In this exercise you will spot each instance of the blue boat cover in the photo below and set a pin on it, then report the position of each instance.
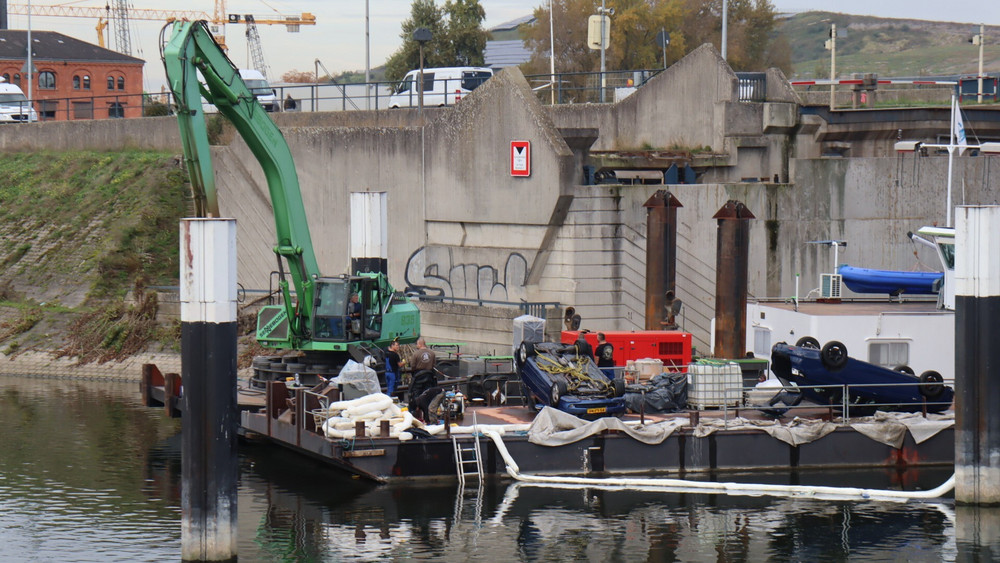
(893, 282)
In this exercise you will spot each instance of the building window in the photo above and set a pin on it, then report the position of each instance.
(6, 78)
(76, 82)
(83, 110)
(47, 80)
(121, 82)
(116, 110)
(17, 79)
(47, 109)
(111, 83)
(889, 354)
(86, 82)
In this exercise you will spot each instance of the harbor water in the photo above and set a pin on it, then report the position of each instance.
(89, 474)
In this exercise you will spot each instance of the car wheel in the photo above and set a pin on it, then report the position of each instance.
(619, 386)
(833, 355)
(933, 384)
(524, 351)
(904, 369)
(556, 392)
(808, 342)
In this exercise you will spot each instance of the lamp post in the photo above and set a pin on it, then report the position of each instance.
(552, 58)
(421, 35)
(663, 39)
(831, 45)
(368, 62)
(604, 13)
(979, 40)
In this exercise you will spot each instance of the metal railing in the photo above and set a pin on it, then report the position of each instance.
(534, 308)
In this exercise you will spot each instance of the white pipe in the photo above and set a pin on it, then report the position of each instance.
(708, 487)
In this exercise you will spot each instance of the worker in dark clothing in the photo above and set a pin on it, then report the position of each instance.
(583, 348)
(392, 367)
(424, 376)
(290, 103)
(605, 355)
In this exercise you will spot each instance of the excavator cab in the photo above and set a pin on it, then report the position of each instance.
(338, 318)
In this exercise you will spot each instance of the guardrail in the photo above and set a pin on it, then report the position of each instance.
(534, 308)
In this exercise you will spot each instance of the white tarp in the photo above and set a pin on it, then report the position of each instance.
(796, 432)
(552, 427)
(890, 427)
(359, 376)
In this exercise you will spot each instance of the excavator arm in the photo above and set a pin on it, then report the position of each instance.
(190, 56)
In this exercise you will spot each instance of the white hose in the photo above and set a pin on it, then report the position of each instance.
(707, 487)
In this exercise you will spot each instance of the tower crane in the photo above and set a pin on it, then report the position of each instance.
(217, 20)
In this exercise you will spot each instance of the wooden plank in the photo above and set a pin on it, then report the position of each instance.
(364, 453)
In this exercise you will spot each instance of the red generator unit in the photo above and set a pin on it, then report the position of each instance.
(672, 347)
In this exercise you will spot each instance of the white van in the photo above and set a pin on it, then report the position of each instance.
(257, 84)
(14, 106)
(442, 86)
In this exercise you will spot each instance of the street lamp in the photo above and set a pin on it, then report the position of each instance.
(663, 39)
(604, 13)
(979, 40)
(421, 35)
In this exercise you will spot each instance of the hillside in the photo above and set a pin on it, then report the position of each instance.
(79, 233)
(888, 47)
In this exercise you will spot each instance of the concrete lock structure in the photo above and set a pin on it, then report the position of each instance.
(460, 225)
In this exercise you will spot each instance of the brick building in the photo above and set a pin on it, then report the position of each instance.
(73, 79)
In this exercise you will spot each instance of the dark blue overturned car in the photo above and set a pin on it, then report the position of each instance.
(870, 387)
(553, 374)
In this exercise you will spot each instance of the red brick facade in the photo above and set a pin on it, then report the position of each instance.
(82, 90)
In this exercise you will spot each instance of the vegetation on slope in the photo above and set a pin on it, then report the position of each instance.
(79, 233)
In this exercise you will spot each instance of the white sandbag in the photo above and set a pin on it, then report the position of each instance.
(405, 436)
(394, 410)
(378, 404)
(405, 423)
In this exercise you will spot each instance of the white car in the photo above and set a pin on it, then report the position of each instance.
(14, 106)
(442, 86)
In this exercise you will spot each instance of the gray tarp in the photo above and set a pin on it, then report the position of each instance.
(796, 432)
(890, 427)
(553, 427)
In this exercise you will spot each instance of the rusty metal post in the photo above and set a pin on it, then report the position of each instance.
(359, 429)
(383, 428)
(977, 356)
(732, 261)
(661, 254)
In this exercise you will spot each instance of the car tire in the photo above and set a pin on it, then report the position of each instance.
(903, 368)
(619, 386)
(834, 355)
(808, 342)
(556, 392)
(525, 350)
(933, 384)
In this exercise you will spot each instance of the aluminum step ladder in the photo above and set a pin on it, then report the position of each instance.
(468, 459)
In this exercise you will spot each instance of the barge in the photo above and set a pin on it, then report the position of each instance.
(699, 442)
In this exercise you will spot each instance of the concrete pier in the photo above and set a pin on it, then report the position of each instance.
(977, 355)
(208, 370)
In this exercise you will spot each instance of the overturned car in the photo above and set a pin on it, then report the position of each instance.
(825, 374)
(555, 375)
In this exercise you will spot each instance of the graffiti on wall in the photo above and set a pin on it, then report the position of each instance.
(433, 271)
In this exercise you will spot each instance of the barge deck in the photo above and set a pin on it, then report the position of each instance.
(706, 442)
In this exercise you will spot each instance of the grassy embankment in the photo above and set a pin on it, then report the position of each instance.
(82, 235)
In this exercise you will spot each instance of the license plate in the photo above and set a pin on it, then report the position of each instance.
(597, 410)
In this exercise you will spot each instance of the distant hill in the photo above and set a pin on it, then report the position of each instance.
(888, 47)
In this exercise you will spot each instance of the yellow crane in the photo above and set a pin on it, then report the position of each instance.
(217, 20)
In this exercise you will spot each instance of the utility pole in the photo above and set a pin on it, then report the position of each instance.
(725, 22)
(982, 30)
(832, 45)
(604, 82)
(552, 58)
(368, 62)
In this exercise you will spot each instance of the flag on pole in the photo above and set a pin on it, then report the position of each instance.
(959, 130)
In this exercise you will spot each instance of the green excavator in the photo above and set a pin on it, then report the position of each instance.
(318, 317)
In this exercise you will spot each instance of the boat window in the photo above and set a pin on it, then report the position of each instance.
(331, 310)
(889, 354)
(761, 342)
(948, 253)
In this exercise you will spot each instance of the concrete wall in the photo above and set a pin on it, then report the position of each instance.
(148, 133)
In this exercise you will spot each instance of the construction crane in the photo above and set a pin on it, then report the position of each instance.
(218, 19)
(256, 49)
(123, 39)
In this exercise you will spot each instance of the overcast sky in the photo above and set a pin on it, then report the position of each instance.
(338, 39)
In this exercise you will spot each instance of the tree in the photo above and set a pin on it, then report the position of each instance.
(635, 24)
(458, 42)
(298, 77)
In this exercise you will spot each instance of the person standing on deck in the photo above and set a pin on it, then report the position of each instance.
(392, 367)
(605, 355)
(422, 366)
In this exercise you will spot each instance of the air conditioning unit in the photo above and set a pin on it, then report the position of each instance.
(830, 286)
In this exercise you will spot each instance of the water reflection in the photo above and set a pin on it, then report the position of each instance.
(88, 474)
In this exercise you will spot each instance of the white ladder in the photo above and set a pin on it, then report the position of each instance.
(466, 456)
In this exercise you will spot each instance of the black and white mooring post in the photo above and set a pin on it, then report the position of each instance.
(208, 375)
(977, 355)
